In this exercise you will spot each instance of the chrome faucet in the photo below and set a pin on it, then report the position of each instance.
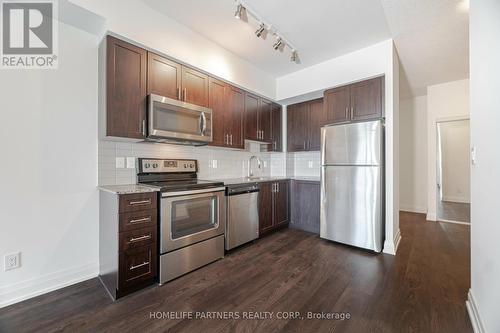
(250, 170)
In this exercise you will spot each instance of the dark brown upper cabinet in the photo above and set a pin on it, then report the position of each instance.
(164, 76)
(358, 101)
(217, 102)
(227, 103)
(258, 118)
(125, 89)
(276, 128)
(304, 121)
(194, 86)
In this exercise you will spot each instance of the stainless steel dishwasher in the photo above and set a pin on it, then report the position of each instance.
(242, 219)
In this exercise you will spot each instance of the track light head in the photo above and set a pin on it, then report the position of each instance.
(278, 43)
(261, 30)
(294, 57)
(240, 10)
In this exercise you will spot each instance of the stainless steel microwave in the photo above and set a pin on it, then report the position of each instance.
(174, 121)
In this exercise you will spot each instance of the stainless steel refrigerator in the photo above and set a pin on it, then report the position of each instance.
(352, 184)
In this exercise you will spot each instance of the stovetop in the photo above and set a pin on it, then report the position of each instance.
(184, 185)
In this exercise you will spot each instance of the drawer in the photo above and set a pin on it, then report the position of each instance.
(137, 202)
(138, 220)
(137, 238)
(137, 268)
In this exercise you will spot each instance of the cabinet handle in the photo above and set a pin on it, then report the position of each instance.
(304, 145)
(144, 127)
(145, 219)
(274, 145)
(226, 139)
(138, 239)
(140, 202)
(185, 94)
(231, 136)
(346, 112)
(179, 97)
(140, 265)
(352, 112)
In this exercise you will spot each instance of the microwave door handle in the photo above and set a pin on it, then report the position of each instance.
(203, 123)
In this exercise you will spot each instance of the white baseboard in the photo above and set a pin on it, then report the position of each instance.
(455, 199)
(23, 290)
(412, 208)
(391, 246)
(431, 216)
(475, 318)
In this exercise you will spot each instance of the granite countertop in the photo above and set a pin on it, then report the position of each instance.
(128, 189)
(245, 180)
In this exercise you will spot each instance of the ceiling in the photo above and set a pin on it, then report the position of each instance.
(431, 36)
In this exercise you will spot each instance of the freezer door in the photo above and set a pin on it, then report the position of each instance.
(351, 206)
(352, 144)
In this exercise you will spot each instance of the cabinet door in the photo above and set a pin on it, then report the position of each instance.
(265, 112)
(217, 102)
(265, 208)
(194, 86)
(337, 105)
(234, 116)
(276, 128)
(164, 76)
(366, 99)
(251, 116)
(125, 90)
(297, 127)
(282, 203)
(316, 121)
(305, 205)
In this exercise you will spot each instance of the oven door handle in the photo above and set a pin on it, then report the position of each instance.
(180, 193)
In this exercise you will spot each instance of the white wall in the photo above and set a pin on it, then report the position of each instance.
(48, 198)
(485, 181)
(378, 59)
(413, 154)
(141, 24)
(445, 101)
(454, 143)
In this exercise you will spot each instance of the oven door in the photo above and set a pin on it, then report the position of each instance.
(189, 217)
(170, 119)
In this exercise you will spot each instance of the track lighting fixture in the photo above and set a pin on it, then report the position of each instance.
(261, 30)
(278, 43)
(294, 57)
(239, 11)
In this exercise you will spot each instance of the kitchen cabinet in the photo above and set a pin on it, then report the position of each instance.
(128, 242)
(358, 101)
(227, 103)
(304, 121)
(125, 89)
(164, 76)
(274, 205)
(194, 86)
(276, 128)
(305, 201)
(257, 118)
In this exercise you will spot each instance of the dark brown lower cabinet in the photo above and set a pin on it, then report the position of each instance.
(274, 206)
(305, 205)
(128, 252)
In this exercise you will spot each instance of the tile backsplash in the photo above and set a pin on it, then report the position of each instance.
(303, 164)
(117, 160)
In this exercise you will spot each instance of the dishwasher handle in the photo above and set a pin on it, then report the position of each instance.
(241, 190)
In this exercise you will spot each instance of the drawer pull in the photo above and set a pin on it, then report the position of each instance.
(141, 202)
(139, 266)
(138, 239)
(145, 219)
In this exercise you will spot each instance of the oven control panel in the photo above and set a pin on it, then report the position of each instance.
(161, 165)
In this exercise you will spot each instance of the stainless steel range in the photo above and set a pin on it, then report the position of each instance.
(192, 215)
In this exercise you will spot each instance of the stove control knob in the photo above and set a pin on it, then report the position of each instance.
(185, 166)
(155, 165)
(147, 165)
(191, 165)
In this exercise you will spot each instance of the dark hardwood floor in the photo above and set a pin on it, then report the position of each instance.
(422, 289)
(453, 211)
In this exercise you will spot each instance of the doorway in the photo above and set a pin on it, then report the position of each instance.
(453, 171)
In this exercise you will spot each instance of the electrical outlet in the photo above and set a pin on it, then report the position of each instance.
(310, 164)
(130, 162)
(120, 162)
(12, 261)
(265, 164)
(214, 164)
